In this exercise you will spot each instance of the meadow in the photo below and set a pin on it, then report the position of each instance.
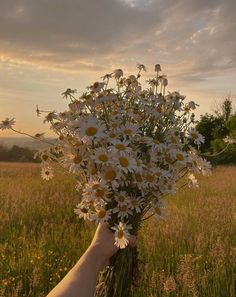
(190, 253)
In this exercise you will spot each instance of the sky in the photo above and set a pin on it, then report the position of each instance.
(47, 46)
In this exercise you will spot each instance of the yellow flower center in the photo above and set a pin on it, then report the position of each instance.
(47, 172)
(124, 162)
(103, 158)
(84, 210)
(120, 146)
(95, 186)
(194, 135)
(149, 178)
(91, 131)
(110, 175)
(112, 135)
(44, 157)
(121, 198)
(101, 213)
(78, 159)
(134, 202)
(120, 234)
(179, 157)
(158, 210)
(158, 109)
(128, 132)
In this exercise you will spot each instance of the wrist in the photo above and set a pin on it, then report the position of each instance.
(97, 256)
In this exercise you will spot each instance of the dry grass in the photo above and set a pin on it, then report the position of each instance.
(192, 253)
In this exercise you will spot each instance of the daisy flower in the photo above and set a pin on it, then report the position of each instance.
(118, 73)
(158, 208)
(75, 159)
(96, 190)
(122, 234)
(7, 124)
(129, 130)
(83, 211)
(121, 198)
(180, 157)
(126, 163)
(111, 175)
(123, 210)
(102, 215)
(47, 173)
(90, 128)
(121, 146)
(101, 156)
(97, 86)
(136, 203)
(195, 136)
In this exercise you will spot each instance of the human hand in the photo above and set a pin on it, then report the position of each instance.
(103, 244)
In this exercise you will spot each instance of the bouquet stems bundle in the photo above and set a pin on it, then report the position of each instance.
(119, 278)
(128, 147)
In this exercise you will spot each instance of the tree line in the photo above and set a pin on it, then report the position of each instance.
(216, 128)
(17, 154)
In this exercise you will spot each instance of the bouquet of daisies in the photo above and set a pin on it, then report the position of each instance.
(129, 147)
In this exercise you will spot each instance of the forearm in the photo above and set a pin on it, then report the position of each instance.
(81, 280)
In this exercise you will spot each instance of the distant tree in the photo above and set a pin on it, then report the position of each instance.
(211, 127)
(215, 127)
(225, 108)
(231, 125)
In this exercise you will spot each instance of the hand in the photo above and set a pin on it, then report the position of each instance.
(103, 244)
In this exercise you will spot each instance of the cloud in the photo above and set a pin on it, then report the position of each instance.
(194, 39)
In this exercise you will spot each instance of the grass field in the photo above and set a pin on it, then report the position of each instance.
(192, 253)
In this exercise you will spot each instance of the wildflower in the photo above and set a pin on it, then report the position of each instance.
(102, 215)
(229, 140)
(136, 203)
(157, 67)
(195, 136)
(39, 135)
(122, 234)
(47, 173)
(82, 210)
(121, 198)
(118, 73)
(7, 124)
(141, 67)
(192, 181)
(123, 210)
(90, 128)
(68, 93)
(97, 86)
(126, 163)
(101, 156)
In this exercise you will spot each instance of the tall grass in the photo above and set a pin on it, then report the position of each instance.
(191, 253)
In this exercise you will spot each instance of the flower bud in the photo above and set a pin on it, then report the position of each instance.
(157, 67)
(165, 82)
